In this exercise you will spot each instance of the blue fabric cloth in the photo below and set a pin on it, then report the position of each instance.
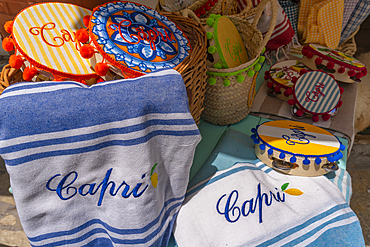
(291, 9)
(105, 165)
(359, 14)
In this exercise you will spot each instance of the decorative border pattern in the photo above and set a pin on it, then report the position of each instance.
(101, 15)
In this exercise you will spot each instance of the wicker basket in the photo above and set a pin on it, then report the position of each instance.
(9, 76)
(225, 105)
(193, 69)
(222, 7)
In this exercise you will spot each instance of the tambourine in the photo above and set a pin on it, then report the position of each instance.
(297, 148)
(132, 40)
(226, 47)
(315, 94)
(279, 78)
(44, 38)
(344, 68)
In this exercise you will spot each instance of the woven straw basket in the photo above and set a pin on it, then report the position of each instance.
(225, 105)
(193, 69)
(9, 76)
(203, 8)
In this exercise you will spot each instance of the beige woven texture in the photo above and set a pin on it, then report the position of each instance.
(228, 105)
(9, 76)
(193, 68)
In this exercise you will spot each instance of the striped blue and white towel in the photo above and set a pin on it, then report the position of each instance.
(106, 165)
(245, 205)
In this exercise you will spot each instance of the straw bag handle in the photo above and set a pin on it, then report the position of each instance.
(259, 10)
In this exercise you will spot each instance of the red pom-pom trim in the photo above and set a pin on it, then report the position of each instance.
(8, 44)
(15, 61)
(29, 73)
(304, 51)
(359, 75)
(86, 20)
(299, 113)
(302, 71)
(341, 70)
(269, 84)
(332, 76)
(87, 51)
(351, 73)
(8, 26)
(341, 90)
(315, 118)
(291, 102)
(340, 103)
(318, 61)
(266, 77)
(330, 65)
(82, 35)
(277, 89)
(364, 71)
(309, 54)
(294, 79)
(289, 91)
(325, 116)
(101, 69)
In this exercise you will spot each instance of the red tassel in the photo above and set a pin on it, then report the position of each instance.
(82, 35)
(325, 116)
(87, 51)
(29, 73)
(330, 65)
(8, 44)
(15, 61)
(291, 102)
(86, 20)
(101, 69)
(8, 26)
(315, 118)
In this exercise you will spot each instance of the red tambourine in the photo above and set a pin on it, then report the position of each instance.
(344, 68)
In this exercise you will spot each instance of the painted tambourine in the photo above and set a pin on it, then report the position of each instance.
(279, 78)
(344, 68)
(297, 148)
(226, 47)
(44, 38)
(132, 40)
(315, 94)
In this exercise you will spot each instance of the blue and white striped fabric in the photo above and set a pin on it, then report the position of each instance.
(317, 92)
(359, 14)
(106, 165)
(252, 205)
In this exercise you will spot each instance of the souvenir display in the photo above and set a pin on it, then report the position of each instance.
(297, 148)
(226, 47)
(315, 94)
(133, 40)
(279, 78)
(44, 37)
(344, 68)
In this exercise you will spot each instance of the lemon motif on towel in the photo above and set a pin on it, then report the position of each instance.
(291, 191)
(154, 176)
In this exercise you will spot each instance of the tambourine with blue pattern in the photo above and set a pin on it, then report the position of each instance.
(136, 39)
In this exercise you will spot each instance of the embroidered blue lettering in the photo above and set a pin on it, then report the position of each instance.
(65, 187)
(231, 211)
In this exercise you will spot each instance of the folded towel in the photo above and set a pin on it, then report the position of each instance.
(105, 165)
(250, 204)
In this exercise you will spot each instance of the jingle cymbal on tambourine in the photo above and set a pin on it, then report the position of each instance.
(297, 148)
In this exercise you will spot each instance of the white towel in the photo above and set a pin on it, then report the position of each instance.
(250, 204)
(106, 165)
